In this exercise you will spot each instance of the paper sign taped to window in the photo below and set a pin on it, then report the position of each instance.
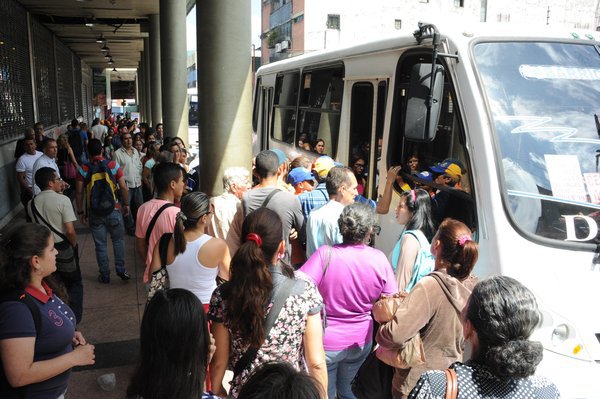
(592, 181)
(565, 177)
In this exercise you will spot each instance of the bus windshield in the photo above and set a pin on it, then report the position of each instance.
(544, 99)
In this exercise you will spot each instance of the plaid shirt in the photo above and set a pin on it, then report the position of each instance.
(313, 199)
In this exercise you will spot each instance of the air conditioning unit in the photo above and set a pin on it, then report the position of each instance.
(285, 45)
(278, 48)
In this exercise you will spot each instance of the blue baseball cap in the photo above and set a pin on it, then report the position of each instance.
(448, 167)
(298, 175)
(425, 176)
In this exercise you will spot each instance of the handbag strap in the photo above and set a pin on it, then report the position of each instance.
(279, 299)
(451, 384)
(37, 214)
(154, 219)
(268, 199)
(326, 263)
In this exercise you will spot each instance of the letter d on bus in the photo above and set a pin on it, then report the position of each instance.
(570, 223)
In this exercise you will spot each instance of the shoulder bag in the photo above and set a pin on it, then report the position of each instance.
(279, 299)
(412, 352)
(154, 219)
(160, 278)
(451, 383)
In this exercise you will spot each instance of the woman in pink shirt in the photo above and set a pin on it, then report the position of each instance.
(350, 277)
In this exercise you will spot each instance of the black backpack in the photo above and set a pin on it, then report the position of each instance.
(75, 143)
(101, 188)
(7, 391)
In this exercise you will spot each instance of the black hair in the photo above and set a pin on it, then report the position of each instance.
(356, 223)
(74, 123)
(418, 203)
(164, 173)
(94, 147)
(251, 282)
(47, 141)
(16, 250)
(193, 207)
(43, 177)
(504, 313)
(337, 176)
(174, 348)
(279, 380)
(267, 164)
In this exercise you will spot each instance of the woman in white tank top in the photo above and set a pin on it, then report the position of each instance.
(195, 259)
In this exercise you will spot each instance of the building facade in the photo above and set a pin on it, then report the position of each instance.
(293, 27)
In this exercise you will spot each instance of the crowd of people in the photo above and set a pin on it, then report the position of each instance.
(276, 279)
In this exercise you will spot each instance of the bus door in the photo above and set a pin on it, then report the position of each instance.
(261, 116)
(368, 100)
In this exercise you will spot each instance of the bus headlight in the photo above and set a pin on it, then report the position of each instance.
(560, 336)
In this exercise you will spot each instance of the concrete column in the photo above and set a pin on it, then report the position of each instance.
(142, 86)
(224, 89)
(173, 69)
(147, 81)
(155, 78)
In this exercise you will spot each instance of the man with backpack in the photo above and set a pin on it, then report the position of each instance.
(78, 141)
(100, 180)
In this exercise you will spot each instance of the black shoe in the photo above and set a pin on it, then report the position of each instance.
(124, 275)
(104, 278)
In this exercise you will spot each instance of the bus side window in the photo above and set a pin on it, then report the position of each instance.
(361, 125)
(448, 144)
(284, 107)
(320, 106)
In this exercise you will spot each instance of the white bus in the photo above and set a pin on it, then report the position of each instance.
(519, 110)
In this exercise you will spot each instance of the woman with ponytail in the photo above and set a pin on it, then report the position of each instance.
(411, 257)
(194, 259)
(433, 307)
(238, 309)
(497, 323)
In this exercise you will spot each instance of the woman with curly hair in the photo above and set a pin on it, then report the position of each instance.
(260, 284)
(497, 323)
(351, 277)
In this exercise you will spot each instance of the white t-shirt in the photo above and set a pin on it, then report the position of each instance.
(25, 164)
(99, 132)
(42, 162)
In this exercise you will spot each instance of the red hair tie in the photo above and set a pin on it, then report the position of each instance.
(414, 195)
(254, 237)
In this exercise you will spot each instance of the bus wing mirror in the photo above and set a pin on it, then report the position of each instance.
(424, 102)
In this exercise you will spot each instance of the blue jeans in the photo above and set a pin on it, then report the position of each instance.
(342, 366)
(113, 225)
(136, 199)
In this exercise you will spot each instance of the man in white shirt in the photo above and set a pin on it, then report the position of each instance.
(236, 181)
(130, 161)
(24, 169)
(99, 131)
(47, 159)
(322, 226)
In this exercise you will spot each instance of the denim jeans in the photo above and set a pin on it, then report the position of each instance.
(136, 199)
(342, 366)
(113, 225)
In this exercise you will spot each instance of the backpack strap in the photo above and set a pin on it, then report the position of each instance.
(154, 219)
(23, 297)
(418, 234)
(279, 299)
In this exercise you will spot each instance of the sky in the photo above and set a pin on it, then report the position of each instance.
(191, 26)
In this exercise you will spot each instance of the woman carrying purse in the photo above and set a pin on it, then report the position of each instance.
(432, 308)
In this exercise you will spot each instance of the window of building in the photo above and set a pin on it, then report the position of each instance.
(398, 24)
(459, 3)
(333, 21)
